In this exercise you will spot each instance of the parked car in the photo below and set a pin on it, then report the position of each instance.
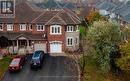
(37, 59)
(17, 63)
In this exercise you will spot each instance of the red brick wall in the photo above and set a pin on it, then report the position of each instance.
(56, 38)
(17, 29)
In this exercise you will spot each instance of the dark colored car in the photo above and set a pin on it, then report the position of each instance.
(37, 59)
(17, 63)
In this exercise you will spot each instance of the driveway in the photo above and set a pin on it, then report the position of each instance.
(55, 68)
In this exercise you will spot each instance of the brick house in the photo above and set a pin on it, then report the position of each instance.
(53, 31)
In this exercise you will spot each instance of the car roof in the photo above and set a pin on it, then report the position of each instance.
(15, 61)
(37, 54)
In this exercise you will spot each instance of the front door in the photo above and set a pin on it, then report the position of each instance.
(22, 43)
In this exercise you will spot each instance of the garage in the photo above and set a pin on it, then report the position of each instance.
(56, 47)
(41, 46)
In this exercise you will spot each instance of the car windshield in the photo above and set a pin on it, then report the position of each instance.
(37, 54)
(15, 62)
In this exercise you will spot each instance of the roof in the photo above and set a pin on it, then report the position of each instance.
(18, 35)
(62, 17)
(28, 13)
(53, 4)
(106, 5)
(123, 10)
(126, 18)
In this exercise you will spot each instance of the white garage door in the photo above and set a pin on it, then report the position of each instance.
(55, 47)
(40, 47)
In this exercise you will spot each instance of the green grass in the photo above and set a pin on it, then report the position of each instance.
(4, 64)
(93, 73)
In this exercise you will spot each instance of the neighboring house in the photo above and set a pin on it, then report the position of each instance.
(105, 7)
(119, 11)
(122, 12)
(53, 31)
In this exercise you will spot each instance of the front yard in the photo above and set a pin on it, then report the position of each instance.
(92, 73)
(4, 65)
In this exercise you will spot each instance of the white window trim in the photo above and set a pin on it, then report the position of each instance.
(30, 27)
(77, 40)
(40, 26)
(70, 28)
(72, 41)
(2, 27)
(9, 27)
(55, 26)
(22, 25)
(77, 27)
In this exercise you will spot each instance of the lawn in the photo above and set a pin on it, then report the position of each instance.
(4, 65)
(92, 73)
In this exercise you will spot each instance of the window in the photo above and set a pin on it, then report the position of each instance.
(70, 28)
(76, 40)
(9, 27)
(22, 27)
(70, 41)
(77, 28)
(30, 27)
(55, 29)
(40, 27)
(7, 7)
(1, 27)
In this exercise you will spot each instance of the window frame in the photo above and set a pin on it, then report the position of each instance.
(76, 40)
(1, 29)
(55, 30)
(70, 41)
(41, 29)
(9, 27)
(77, 27)
(30, 27)
(21, 27)
(70, 28)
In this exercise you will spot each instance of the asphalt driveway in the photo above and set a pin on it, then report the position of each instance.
(55, 68)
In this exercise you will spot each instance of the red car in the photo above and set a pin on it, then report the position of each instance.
(17, 63)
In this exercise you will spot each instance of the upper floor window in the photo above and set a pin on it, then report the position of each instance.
(55, 29)
(9, 27)
(70, 41)
(30, 27)
(22, 27)
(76, 40)
(1, 27)
(40, 27)
(70, 28)
(77, 27)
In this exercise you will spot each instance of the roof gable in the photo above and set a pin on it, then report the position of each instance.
(26, 13)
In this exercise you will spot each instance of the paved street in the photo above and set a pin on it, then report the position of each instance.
(55, 68)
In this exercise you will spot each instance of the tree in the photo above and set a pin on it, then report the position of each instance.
(124, 61)
(94, 16)
(103, 35)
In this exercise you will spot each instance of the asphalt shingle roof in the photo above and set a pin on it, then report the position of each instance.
(29, 36)
(106, 5)
(25, 13)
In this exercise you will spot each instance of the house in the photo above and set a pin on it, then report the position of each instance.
(53, 31)
(119, 11)
(105, 7)
(122, 13)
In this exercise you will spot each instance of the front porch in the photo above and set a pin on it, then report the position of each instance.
(21, 47)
